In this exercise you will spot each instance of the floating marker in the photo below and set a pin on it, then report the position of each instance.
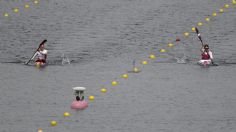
(233, 2)
(27, 6)
(114, 83)
(207, 19)
(214, 14)
(37, 65)
(53, 123)
(36, 2)
(66, 114)
(186, 34)
(135, 69)
(91, 97)
(103, 90)
(199, 23)
(125, 76)
(6, 15)
(152, 56)
(144, 62)
(162, 50)
(226, 6)
(221, 10)
(16, 10)
(40, 130)
(193, 29)
(170, 45)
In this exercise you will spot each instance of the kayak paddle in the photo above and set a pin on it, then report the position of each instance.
(199, 35)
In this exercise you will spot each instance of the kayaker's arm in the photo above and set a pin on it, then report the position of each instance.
(211, 55)
(202, 49)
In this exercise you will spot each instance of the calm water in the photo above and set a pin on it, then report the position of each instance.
(102, 38)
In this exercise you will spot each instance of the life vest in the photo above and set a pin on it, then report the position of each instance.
(206, 56)
(41, 60)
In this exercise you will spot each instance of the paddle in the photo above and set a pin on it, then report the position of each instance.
(44, 41)
(200, 38)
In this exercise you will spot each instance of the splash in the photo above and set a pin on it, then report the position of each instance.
(64, 59)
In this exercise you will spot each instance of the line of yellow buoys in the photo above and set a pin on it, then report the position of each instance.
(17, 9)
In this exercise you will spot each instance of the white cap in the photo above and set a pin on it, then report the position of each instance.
(79, 88)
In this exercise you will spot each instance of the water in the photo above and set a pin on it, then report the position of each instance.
(102, 38)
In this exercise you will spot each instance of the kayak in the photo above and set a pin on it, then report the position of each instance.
(206, 63)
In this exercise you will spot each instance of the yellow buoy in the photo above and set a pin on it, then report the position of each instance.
(199, 23)
(37, 65)
(207, 19)
(40, 130)
(53, 123)
(186, 34)
(233, 2)
(16, 10)
(162, 50)
(103, 90)
(66, 114)
(226, 6)
(144, 62)
(114, 83)
(135, 69)
(6, 15)
(36, 2)
(125, 76)
(193, 29)
(27, 6)
(152, 56)
(214, 14)
(170, 45)
(91, 97)
(221, 10)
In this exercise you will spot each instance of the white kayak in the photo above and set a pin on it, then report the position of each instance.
(206, 63)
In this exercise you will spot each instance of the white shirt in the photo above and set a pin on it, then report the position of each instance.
(41, 54)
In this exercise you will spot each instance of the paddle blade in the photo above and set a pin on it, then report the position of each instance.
(196, 30)
(44, 41)
(214, 64)
(198, 35)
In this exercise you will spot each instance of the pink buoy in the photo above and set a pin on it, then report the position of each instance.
(79, 105)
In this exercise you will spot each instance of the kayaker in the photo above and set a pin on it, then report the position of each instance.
(41, 54)
(207, 55)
